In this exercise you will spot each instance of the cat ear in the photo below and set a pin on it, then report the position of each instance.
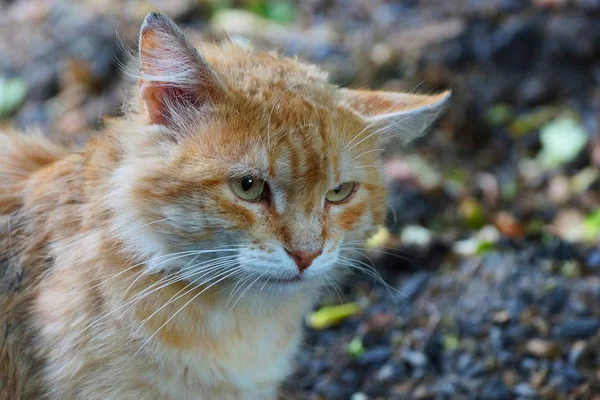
(172, 73)
(396, 115)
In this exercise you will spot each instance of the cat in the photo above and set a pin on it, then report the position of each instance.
(174, 255)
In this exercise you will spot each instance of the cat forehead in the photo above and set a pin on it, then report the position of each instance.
(264, 74)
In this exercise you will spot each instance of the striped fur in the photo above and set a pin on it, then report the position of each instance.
(130, 269)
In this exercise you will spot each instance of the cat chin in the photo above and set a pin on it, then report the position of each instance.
(274, 287)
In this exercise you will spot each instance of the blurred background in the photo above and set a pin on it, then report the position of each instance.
(491, 255)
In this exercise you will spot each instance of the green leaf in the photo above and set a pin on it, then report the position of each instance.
(12, 95)
(332, 315)
(258, 7)
(219, 5)
(484, 247)
(283, 12)
(591, 225)
(499, 114)
(451, 342)
(355, 347)
(472, 213)
(530, 122)
(562, 140)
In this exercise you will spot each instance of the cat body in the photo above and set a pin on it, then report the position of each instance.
(174, 256)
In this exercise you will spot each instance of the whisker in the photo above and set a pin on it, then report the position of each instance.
(239, 284)
(181, 254)
(159, 285)
(246, 291)
(176, 296)
(370, 271)
(233, 272)
(366, 152)
(222, 264)
(122, 234)
(336, 288)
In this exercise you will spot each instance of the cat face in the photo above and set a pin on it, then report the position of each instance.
(250, 166)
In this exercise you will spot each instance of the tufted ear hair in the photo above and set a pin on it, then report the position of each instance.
(396, 115)
(172, 72)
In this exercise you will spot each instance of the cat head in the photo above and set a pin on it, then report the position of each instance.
(240, 165)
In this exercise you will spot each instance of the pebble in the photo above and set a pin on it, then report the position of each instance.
(391, 372)
(525, 390)
(580, 355)
(512, 45)
(496, 390)
(543, 348)
(556, 299)
(333, 390)
(351, 378)
(375, 356)
(577, 328)
(593, 260)
(416, 359)
(413, 285)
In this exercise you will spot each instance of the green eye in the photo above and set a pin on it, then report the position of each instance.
(341, 193)
(248, 187)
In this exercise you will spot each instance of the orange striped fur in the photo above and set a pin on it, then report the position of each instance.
(131, 268)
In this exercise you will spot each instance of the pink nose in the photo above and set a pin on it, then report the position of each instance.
(303, 259)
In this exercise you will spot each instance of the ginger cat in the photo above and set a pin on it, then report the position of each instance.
(174, 256)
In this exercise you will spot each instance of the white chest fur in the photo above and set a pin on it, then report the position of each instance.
(246, 355)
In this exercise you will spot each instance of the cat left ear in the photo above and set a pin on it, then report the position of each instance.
(172, 73)
(402, 115)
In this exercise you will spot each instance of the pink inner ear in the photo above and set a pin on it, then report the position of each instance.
(172, 73)
(156, 98)
(162, 98)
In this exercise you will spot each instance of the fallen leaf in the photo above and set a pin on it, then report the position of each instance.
(355, 347)
(12, 95)
(562, 140)
(508, 225)
(331, 315)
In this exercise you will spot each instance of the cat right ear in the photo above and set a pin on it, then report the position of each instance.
(396, 115)
(172, 75)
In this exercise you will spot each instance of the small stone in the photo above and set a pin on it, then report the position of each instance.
(581, 355)
(577, 328)
(497, 390)
(380, 322)
(375, 356)
(528, 365)
(589, 5)
(412, 286)
(524, 390)
(350, 378)
(535, 90)
(416, 235)
(415, 358)
(543, 348)
(381, 54)
(556, 299)
(501, 317)
(559, 190)
(592, 261)
(333, 391)
(391, 372)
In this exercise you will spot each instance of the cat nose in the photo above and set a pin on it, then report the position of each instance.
(303, 259)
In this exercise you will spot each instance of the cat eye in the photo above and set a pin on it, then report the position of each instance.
(341, 192)
(248, 187)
